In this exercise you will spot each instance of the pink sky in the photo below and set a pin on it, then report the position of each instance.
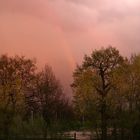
(60, 32)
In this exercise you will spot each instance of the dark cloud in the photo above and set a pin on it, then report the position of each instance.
(79, 15)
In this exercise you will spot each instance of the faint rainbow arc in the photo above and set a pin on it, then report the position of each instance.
(66, 46)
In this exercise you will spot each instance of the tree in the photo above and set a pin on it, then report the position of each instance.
(102, 63)
(16, 74)
(52, 104)
(83, 93)
(129, 91)
(49, 92)
(85, 99)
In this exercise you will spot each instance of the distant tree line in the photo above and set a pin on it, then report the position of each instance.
(106, 91)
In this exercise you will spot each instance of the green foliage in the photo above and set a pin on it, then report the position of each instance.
(106, 87)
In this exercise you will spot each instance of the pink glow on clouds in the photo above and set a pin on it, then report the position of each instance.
(60, 32)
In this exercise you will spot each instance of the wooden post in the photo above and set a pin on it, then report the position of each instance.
(74, 135)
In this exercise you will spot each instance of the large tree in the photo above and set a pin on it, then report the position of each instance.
(102, 63)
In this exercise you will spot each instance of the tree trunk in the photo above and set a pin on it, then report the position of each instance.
(103, 121)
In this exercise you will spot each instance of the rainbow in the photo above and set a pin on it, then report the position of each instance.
(65, 47)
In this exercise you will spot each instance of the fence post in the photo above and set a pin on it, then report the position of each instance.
(74, 135)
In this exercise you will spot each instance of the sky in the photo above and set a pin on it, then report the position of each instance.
(60, 32)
